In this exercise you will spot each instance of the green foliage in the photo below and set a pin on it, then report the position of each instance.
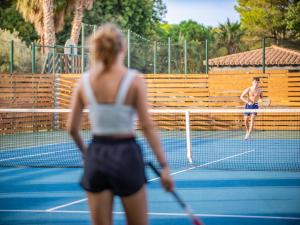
(64, 35)
(22, 53)
(278, 19)
(194, 34)
(186, 30)
(293, 19)
(228, 38)
(190, 30)
(267, 18)
(139, 16)
(10, 19)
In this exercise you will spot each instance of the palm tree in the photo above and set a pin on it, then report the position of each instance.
(40, 14)
(32, 12)
(48, 20)
(48, 16)
(229, 36)
(79, 6)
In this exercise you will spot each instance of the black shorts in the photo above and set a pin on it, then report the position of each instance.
(113, 164)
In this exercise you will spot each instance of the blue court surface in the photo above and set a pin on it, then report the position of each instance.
(53, 196)
(231, 181)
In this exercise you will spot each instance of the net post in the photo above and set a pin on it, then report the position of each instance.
(188, 136)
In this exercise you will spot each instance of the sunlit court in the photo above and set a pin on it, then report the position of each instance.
(223, 92)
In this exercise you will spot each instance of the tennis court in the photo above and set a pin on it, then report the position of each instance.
(222, 177)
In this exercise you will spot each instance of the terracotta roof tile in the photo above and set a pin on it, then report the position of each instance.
(275, 56)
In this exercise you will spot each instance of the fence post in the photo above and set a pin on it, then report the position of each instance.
(11, 57)
(53, 60)
(72, 59)
(56, 101)
(169, 55)
(82, 47)
(128, 48)
(154, 57)
(33, 57)
(206, 57)
(185, 57)
(264, 55)
(94, 29)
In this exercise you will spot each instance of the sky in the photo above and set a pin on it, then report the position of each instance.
(206, 12)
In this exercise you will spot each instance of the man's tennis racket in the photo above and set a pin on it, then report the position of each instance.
(195, 220)
(264, 102)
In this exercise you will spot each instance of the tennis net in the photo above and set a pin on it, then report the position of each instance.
(208, 138)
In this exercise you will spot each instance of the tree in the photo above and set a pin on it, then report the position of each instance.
(79, 7)
(140, 16)
(228, 36)
(293, 19)
(190, 30)
(48, 16)
(10, 19)
(194, 34)
(265, 18)
(48, 22)
(32, 12)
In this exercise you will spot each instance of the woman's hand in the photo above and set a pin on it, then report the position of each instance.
(166, 179)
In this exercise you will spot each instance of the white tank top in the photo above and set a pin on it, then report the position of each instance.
(115, 118)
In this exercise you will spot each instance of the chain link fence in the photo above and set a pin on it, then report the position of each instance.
(148, 56)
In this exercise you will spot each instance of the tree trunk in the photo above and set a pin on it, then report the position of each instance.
(76, 24)
(48, 20)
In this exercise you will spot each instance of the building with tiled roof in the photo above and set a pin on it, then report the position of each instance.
(276, 58)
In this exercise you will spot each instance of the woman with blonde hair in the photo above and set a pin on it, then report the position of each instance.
(113, 163)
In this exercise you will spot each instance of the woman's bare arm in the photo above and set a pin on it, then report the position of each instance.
(150, 131)
(147, 124)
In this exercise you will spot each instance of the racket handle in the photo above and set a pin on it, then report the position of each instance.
(197, 222)
(155, 170)
(194, 219)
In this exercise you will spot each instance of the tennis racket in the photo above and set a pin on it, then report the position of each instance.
(264, 102)
(195, 220)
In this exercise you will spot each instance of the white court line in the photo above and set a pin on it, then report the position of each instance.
(181, 171)
(212, 162)
(166, 214)
(28, 156)
(65, 205)
(34, 146)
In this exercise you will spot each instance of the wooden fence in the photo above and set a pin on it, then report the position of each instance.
(165, 91)
(26, 91)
